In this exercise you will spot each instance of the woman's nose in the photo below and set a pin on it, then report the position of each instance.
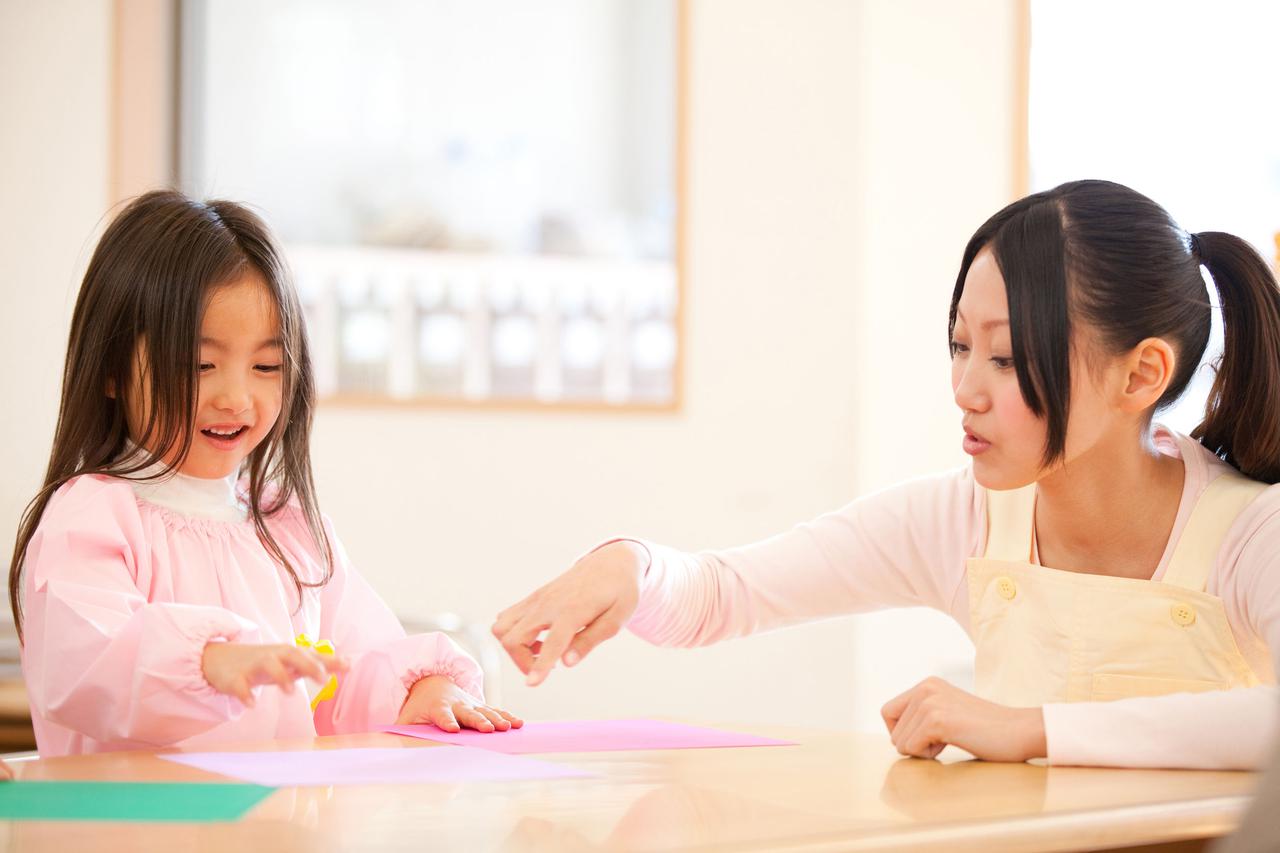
(970, 395)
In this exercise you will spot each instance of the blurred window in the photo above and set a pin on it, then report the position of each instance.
(478, 196)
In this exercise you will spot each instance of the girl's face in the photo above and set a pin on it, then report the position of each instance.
(1004, 437)
(240, 385)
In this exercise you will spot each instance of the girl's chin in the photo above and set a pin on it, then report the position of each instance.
(210, 469)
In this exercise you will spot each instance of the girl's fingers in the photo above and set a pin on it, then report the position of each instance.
(515, 721)
(274, 670)
(500, 722)
(472, 718)
(443, 718)
(305, 664)
(242, 690)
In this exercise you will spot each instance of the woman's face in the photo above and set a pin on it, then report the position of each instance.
(1004, 437)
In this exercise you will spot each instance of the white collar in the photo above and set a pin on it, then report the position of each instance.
(191, 496)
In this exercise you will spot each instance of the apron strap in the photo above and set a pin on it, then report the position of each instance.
(1215, 512)
(1010, 524)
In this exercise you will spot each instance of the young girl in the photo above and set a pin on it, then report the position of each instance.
(174, 578)
(1121, 582)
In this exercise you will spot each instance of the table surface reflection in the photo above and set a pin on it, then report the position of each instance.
(832, 791)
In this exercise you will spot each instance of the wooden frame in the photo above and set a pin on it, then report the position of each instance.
(144, 90)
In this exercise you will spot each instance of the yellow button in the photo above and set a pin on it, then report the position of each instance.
(1007, 588)
(1183, 614)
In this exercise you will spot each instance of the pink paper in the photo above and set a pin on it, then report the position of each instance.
(590, 736)
(381, 766)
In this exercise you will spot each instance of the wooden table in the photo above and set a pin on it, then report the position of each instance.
(831, 792)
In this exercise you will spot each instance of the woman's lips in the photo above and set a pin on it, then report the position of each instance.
(974, 444)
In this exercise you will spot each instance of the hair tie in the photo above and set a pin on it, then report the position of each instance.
(1195, 246)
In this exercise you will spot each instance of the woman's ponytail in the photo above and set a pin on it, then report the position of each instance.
(1242, 417)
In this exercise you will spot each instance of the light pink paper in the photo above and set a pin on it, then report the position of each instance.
(590, 736)
(380, 766)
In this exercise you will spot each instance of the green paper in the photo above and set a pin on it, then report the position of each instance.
(167, 802)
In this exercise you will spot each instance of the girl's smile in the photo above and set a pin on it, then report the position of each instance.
(225, 437)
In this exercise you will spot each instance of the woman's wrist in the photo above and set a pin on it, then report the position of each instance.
(637, 556)
(1035, 744)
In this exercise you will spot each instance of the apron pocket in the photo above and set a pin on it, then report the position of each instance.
(1107, 686)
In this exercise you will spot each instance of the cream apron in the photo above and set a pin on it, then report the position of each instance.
(1045, 635)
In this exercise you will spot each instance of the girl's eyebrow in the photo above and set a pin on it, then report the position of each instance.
(217, 344)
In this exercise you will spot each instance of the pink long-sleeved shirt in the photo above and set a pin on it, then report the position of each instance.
(907, 546)
(122, 594)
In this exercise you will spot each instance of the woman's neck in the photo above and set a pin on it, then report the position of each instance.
(1111, 510)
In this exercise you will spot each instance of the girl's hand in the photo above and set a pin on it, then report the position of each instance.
(933, 714)
(236, 668)
(437, 700)
(579, 610)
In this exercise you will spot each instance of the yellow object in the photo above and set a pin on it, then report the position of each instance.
(1183, 614)
(323, 647)
(1045, 635)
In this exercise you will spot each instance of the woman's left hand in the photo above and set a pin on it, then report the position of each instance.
(933, 714)
(437, 700)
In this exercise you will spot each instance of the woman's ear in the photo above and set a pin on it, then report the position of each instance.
(1149, 369)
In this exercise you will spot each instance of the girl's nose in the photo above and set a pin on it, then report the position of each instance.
(232, 398)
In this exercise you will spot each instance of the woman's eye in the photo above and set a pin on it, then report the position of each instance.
(1002, 363)
(205, 366)
(958, 349)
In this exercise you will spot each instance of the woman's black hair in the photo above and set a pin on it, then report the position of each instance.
(1102, 255)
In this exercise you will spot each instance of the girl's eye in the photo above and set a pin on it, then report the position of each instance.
(958, 349)
(266, 368)
(1002, 363)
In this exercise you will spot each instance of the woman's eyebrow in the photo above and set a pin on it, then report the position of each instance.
(989, 324)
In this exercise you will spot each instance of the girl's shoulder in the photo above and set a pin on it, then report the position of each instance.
(88, 496)
(288, 513)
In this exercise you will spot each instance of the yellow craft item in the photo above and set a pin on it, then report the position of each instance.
(323, 647)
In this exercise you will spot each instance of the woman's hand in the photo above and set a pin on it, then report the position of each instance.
(437, 700)
(579, 610)
(236, 668)
(933, 714)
